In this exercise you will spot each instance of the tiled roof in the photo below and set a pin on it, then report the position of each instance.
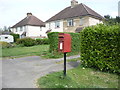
(29, 20)
(77, 11)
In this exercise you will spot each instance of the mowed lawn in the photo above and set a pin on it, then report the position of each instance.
(24, 51)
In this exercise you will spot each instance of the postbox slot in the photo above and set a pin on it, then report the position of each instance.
(61, 37)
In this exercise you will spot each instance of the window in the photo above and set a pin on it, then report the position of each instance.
(16, 29)
(49, 25)
(70, 22)
(21, 28)
(57, 24)
(6, 37)
(40, 28)
(81, 21)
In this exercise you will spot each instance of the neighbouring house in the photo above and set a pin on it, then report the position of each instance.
(73, 18)
(30, 26)
(7, 38)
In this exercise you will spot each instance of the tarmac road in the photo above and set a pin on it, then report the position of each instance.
(24, 72)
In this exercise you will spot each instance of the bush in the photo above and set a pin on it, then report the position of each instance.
(42, 41)
(53, 39)
(16, 36)
(5, 44)
(26, 42)
(100, 47)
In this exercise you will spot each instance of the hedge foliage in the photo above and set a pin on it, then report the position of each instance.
(26, 42)
(5, 44)
(100, 47)
(31, 42)
(42, 41)
(16, 36)
(53, 39)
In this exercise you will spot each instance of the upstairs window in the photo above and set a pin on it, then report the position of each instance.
(18, 29)
(15, 29)
(57, 24)
(21, 28)
(49, 25)
(81, 21)
(40, 28)
(70, 22)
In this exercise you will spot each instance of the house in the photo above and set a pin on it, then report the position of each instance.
(30, 26)
(7, 38)
(73, 18)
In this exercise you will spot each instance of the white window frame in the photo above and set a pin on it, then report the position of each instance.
(16, 30)
(81, 21)
(21, 28)
(70, 22)
(40, 28)
(57, 24)
(49, 25)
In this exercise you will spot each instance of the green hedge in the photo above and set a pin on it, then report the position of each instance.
(16, 36)
(31, 42)
(42, 41)
(26, 42)
(53, 39)
(100, 47)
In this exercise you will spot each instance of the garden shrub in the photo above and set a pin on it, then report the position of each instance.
(5, 44)
(100, 47)
(26, 42)
(53, 39)
(16, 36)
(42, 41)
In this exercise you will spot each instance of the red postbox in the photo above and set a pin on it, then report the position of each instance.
(64, 43)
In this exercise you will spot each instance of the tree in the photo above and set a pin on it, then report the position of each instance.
(111, 21)
(5, 28)
(117, 19)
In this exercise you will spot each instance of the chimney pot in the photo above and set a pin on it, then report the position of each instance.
(29, 14)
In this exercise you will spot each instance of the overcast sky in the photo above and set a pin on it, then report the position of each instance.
(12, 11)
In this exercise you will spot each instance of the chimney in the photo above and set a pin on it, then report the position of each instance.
(29, 14)
(74, 3)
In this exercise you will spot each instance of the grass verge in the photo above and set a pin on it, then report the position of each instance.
(79, 77)
(24, 51)
(47, 54)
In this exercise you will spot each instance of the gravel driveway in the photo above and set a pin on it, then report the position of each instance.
(23, 72)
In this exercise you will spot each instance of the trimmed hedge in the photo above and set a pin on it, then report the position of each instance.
(31, 42)
(53, 39)
(26, 42)
(100, 47)
(42, 41)
(16, 36)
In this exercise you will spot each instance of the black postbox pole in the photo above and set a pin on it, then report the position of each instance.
(64, 64)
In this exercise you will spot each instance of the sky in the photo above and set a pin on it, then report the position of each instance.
(12, 11)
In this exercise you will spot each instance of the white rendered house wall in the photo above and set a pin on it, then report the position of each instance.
(51, 26)
(31, 31)
(93, 21)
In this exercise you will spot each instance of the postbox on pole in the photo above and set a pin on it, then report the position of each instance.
(64, 46)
